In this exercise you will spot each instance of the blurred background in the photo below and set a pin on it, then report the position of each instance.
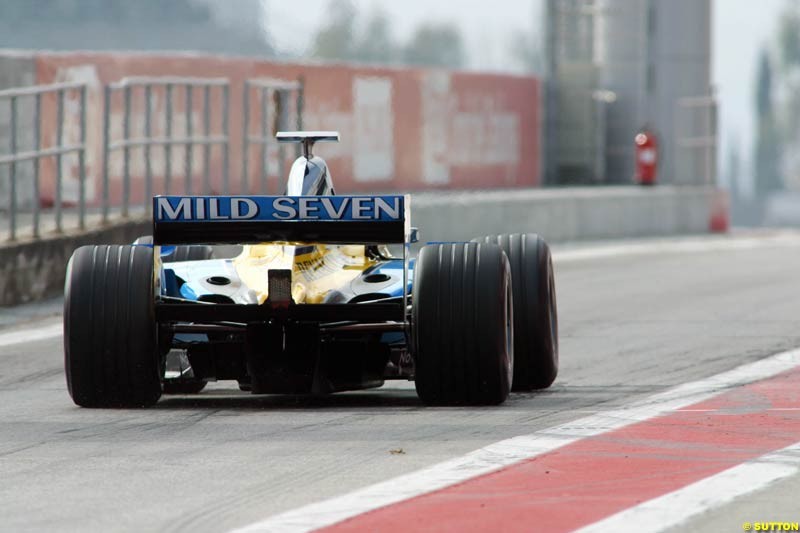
(557, 89)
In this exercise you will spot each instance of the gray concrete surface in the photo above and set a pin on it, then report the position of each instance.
(778, 503)
(630, 326)
(20, 316)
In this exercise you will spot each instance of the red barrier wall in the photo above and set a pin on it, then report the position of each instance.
(402, 129)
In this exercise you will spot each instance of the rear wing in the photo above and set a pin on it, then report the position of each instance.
(259, 219)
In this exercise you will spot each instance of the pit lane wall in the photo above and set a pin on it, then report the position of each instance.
(35, 270)
(571, 214)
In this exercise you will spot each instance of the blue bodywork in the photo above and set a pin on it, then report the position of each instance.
(189, 289)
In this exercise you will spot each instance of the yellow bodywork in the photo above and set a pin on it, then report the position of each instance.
(316, 270)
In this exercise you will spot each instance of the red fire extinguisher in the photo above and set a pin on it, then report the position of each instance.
(646, 157)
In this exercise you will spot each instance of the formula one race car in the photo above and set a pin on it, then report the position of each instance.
(313, 303)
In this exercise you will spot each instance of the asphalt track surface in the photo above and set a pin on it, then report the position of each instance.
(635, 320)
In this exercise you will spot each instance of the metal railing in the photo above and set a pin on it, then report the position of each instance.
(37, 153)
(152, 131)
(282, 95)
(168, 87)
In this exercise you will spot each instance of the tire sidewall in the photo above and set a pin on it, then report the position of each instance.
(462, 324)
(110, 334)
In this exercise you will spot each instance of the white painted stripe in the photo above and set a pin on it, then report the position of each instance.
(508, 452)
(688, 245)
(31, 335)
(718, 410)
(678, 507)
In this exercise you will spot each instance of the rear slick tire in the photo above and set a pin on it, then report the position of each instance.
(535, 310)
(111, 355)
(462, 325)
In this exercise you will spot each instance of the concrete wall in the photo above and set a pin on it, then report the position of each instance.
(35, 270)
(572, 214)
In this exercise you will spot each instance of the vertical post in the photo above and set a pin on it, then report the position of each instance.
(37, 145)
(148, 136)
(226, 146)
(12, 174)
(188, 150)
(168, 143)
(245, 135)
(598, 164)
(282, 100)
(207, 145)
(548, 99)
(106, 148)
(59, 158)
(264, 142)
(81, 163)
(126, 150)
(281, 164)
(711, 160)
(301, 102)
(678, 144)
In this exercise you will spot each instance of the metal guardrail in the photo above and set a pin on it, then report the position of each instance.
(281, 93)
(168, 86)
(58, 150)
(143, 117)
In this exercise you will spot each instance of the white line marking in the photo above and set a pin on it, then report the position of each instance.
(508, 452)
(31, 335)
(728, 409)
(678, 507)
(684, 245)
